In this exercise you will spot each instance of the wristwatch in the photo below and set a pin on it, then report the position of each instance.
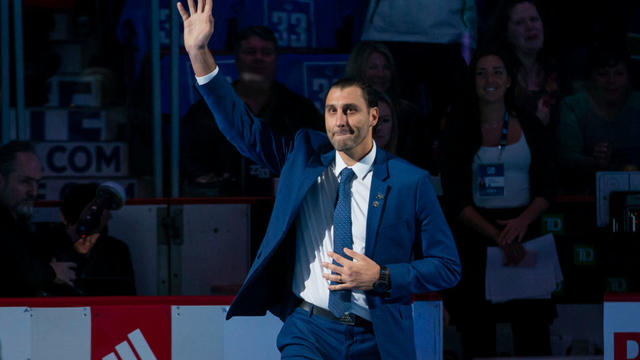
(383, 284)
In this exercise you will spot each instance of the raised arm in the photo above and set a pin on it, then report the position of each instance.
(198, 28)
(247, 133)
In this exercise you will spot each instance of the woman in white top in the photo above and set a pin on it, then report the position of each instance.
(497, 182)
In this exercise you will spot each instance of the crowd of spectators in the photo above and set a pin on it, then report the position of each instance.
(421, 66)
(457, 102)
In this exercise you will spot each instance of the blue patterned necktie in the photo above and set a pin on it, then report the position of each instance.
(339, 300)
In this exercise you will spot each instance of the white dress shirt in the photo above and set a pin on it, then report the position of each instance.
(314, 236)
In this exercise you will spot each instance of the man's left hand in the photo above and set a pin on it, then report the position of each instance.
(359, 273)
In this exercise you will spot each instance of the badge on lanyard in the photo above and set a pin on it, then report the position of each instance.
(491, 180)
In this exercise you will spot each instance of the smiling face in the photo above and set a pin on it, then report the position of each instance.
(491, 79)
(349, 121)
(524, 29)
(378, 72)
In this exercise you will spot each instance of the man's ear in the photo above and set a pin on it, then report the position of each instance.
(374, 112)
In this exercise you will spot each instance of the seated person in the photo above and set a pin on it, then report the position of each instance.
(599, 128)
(103, 262)
(26, 268)
(211, 165)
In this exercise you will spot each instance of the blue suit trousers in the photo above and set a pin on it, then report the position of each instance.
(307, 336)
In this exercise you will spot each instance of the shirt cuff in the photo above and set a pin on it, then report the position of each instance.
(206, 78)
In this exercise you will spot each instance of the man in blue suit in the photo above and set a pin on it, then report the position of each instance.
(354, 232)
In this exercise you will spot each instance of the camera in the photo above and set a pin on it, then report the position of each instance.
(109, 196)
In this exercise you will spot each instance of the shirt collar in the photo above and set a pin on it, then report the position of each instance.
(361, 168)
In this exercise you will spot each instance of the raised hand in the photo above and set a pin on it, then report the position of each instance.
(198, 24)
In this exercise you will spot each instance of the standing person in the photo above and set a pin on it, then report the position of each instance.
(519, 28)
(341, 279)
(25, 269)
(490, 139)
(372, 62)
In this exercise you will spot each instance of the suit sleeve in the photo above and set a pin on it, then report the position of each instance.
(438, 265)
(251, 136)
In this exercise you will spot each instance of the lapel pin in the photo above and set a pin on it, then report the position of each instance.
(379, 196)
(375, 204)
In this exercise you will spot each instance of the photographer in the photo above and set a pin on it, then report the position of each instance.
(104, 262)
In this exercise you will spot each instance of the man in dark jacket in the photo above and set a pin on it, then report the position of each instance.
(26, 273)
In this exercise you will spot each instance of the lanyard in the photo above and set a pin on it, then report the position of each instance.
(505, 131)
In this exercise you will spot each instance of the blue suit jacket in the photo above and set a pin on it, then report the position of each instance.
(406, 230)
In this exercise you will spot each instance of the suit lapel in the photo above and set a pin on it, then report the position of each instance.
(377, 200)
(314, 168)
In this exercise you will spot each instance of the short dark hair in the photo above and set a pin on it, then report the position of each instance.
(603, 55)
(76, 199)
(9, 152)
(368, 93)
(259, 31)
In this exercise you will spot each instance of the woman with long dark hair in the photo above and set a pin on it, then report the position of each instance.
(497, 182)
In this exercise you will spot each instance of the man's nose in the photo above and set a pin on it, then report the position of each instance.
(342, 119)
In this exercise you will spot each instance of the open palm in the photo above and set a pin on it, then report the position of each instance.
(198, 24)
